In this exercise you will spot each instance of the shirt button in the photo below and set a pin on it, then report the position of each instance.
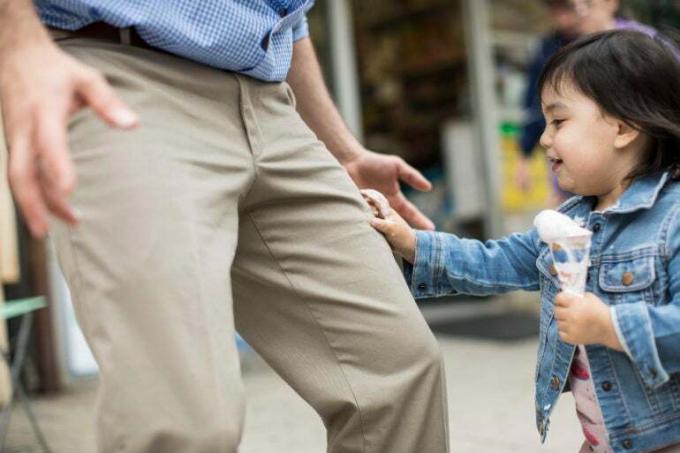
(422, 286)
(283, 12)
(606, 386)
(552, 270)
(627, 444)
(627, 278)
(555, 383)
(597, 227)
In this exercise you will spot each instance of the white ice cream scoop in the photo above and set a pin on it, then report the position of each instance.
(569, 246)
(554, 226)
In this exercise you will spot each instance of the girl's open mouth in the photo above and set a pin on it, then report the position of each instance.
(555, 164)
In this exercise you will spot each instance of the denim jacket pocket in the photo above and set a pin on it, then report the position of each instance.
(629, 279)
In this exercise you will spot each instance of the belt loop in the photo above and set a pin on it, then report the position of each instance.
(125, 35)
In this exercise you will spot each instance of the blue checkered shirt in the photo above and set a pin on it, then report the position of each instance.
(252, 37)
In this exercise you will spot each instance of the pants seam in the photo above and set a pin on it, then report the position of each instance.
(77, 291)
(311, 313)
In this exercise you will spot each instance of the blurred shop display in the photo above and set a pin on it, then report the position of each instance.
(412, 73)
(411, 56)
(516, 28)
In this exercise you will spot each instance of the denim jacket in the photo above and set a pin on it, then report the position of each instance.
(635, 269)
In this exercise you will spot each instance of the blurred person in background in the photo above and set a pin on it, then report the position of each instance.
(212, 183)
(570, 19)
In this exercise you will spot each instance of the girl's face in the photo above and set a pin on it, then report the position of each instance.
(589, 152)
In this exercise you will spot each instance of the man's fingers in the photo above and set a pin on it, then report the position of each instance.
(410, 213)
(413, 177)
(23, 178)
(58, 204)
(55, 170)
(51, 140)
(98, 94)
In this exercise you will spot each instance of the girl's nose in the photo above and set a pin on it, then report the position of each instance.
(546, 140)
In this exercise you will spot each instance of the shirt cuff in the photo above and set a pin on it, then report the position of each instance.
(301, 29)
(633, 326)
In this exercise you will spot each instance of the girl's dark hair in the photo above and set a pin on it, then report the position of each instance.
(630, 76)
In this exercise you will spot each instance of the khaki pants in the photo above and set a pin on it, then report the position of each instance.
(223, 211)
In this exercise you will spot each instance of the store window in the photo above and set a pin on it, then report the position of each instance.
(412, 71)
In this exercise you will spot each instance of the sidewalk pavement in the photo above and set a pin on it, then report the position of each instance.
(490, 385)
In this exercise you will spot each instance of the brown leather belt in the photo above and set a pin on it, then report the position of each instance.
(104, 31)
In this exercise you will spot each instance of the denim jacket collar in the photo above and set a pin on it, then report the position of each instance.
(641, 194)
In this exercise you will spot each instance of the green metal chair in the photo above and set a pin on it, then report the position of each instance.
(12, 309)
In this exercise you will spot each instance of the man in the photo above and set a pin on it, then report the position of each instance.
(220, 189)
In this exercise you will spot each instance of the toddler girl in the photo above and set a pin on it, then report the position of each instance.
(612, 107)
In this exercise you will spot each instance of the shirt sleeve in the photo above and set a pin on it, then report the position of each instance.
(650, 334)
(446, 264)
(301, 29)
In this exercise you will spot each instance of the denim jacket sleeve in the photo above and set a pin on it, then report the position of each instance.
(650, 334)
(446, 264)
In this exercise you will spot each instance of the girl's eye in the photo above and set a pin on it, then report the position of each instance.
(556, 123)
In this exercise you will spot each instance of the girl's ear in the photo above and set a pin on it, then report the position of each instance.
(625, 136)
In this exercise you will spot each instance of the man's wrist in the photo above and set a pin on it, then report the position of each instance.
(20, 28)
(346, 150)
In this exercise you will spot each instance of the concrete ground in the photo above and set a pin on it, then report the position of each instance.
(490, 385)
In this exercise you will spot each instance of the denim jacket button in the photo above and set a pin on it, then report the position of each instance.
(627, 444)
(627, 278)
(555, 383)
(552, 270)
(597, 227)
(422, 286)
(606, 386)
(653, 372)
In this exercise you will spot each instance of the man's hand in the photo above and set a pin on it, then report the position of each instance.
(382, 172)
(40, 88)
(585, 320)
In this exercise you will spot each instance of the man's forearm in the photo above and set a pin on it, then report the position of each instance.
(19, 26)
(315, 105)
